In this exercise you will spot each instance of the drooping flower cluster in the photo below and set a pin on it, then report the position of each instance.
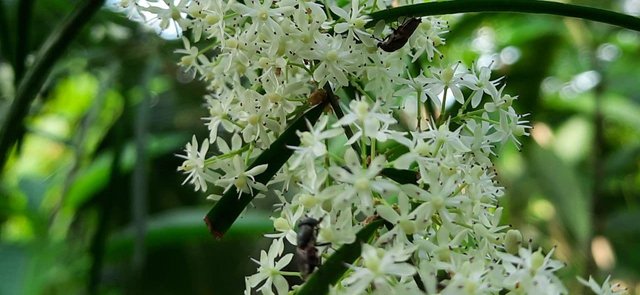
(263, 59)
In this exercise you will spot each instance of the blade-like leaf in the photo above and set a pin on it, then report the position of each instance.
(227, 210)
(561, 186)
(334, 267)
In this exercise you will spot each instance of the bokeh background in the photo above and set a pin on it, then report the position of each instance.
(91, 202)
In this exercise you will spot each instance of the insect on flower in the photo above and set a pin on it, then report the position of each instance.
(308, 258)
(318, 96)
(400, 36)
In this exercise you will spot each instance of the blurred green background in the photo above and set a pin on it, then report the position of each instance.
(91, 202)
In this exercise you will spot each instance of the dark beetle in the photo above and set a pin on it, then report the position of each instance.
(308, 258)
(400, 36)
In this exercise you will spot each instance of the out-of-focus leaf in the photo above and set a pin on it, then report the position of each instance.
(623, 230)
(623, 162)
(624, 224)
(93, 178)
(13, 266)
(181, 225)
(560, 184)
(90, 180)
(614, 108)
(73, 95)
(334, 267)
(572, 140)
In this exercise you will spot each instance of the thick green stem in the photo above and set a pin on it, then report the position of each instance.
(22, 38)
(522, 6)
(13, 128)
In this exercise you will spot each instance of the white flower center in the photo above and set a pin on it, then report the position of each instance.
(362, 184)
(241, 182)
(438, 202)
(373, 264)
(308, 201)
(263, 14)
(263, 62)
(422, 149)
(447, 75)
(408, 226)
(306, 139)
(281, 224)
(231, 43)
(362, 110)
(253, 119)
(212, 19)
(332, 56)
(326, 234)
(175, 14)
(274, 97)
(537, 260)
(187, 60)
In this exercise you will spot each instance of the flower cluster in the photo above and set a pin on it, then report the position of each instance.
(262, 59)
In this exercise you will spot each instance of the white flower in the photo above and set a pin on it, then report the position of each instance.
(337, 59)
(269, 270)
(218, 116)
(286, 224)
(264, 17)
(214, 19)
(512, 126)
(605, 288)
(192, 58)
(169, 13)
(447, 78)
(370, 121)
(532, 272)
(244, 181)
(377, 265)
(354, 22)
(415, 86)
(361, 182)
(312, 143)
(195, 165)
(480, 84)
(469, 278)
(340, 229)
(403, 221)
(428, 37)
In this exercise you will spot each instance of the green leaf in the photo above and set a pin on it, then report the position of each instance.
(227, 210)
(335, 267)
(561, 185)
